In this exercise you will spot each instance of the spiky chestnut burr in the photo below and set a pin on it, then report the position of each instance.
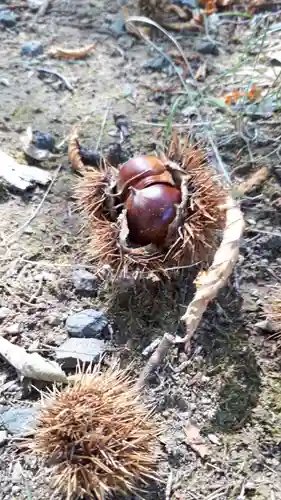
(191, 234)
(99, 435)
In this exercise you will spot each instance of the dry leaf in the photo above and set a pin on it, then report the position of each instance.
(195, 440)
(201, 72)
(31, 365)
(79, 53)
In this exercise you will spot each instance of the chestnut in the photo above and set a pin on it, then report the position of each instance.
(142, 171)
(150, 211)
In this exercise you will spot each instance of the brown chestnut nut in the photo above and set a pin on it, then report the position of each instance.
(150, 211)
(142, 171)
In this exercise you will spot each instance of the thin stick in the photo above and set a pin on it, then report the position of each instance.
(156, 358)
(209, 284)
(59, 76)
(103, 125)
(16, 233)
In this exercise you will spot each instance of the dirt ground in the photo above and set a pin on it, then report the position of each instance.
(229, 385)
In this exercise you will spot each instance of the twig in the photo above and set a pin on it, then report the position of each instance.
(209, 284)
(41, 12)
(58, 75)
(103, 126)
(169, 486)
(11, 238)
(156, 358)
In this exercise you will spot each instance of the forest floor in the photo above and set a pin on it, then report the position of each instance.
(229, 385)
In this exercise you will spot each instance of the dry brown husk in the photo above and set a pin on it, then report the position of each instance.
(192, 236)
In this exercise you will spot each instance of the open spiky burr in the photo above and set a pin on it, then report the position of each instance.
(190, 235)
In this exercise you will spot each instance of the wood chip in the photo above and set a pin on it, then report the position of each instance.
(20, 176)
(195, 440)
(79, 53)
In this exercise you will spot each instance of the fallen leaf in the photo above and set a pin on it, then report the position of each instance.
(201, 72)
(195, 440)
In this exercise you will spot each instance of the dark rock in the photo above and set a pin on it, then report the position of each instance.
(43, 140)
(7, 18)
(18, 420)
(157, 63)
(89, 323)
(32, 49)
(206, 46)
(90, 157)
(84, 282)
(85, 350)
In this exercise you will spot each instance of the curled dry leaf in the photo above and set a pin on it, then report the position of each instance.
(74, 152)
(194, 439)
(31, 150)
(79, 53)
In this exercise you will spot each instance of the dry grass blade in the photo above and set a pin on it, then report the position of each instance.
(99, 434)
(150, 22)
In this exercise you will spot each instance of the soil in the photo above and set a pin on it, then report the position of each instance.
(229, 384)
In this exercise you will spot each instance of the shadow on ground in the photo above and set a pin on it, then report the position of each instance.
(229, 356)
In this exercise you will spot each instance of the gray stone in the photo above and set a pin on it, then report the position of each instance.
(84, 282)
(32, 49)
(4, 312)
(18, 420)
(17, 473)
(85, 350)
(34, 5)
(14, 329)
(89, 323)
(7, 18)
(206, 46)
(3, 437)
(157, 63)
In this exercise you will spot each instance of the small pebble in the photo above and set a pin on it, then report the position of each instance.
(34, 5)
(206, 46)
(84, 282)
(17, 473)
(14, 329)
(214, 439)
(7, 18)
(157, 63)
(4, 312)
(53, 320)
(43, 140)
(32, 49)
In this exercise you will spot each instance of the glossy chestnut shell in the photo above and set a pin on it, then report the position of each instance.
(150, 211)
(141, 172)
